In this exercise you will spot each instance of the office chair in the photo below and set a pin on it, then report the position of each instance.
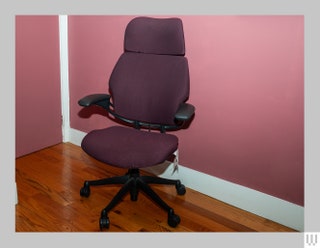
(148, 90)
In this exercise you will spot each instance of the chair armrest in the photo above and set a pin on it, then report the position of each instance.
(102, 100)
(185, 112)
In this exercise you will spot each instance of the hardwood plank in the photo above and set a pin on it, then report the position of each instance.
(49, 182)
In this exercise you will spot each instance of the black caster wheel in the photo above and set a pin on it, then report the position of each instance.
(181, 189)
(104, 223)
(85, 191)
(173, 219)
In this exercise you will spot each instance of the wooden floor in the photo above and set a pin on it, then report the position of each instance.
(49, 182)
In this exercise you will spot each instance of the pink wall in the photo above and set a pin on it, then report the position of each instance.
(247, 83)
(38, 103)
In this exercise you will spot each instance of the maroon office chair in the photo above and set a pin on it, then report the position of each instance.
(149, 87)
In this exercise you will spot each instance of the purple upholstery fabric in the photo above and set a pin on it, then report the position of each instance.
(149, 82)
(149, 88)
(155, 35)
(129, 148)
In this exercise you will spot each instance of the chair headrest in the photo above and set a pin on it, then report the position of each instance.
(155, 36)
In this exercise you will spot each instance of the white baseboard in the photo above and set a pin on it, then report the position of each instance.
(269, 207)
(76, 136)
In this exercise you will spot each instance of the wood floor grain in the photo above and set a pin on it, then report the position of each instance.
(49, 182)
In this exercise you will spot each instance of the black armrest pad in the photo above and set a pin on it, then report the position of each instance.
(185, 112)
(93, 99)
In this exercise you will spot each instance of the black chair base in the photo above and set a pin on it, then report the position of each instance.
(132, 182)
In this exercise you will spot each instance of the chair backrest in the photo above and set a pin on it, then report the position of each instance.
(151, 78)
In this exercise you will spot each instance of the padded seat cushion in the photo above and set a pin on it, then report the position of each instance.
(129, 148)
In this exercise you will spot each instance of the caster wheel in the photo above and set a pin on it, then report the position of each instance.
(104, 223)
(85, 191)
(181, 189)
(173, 219)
